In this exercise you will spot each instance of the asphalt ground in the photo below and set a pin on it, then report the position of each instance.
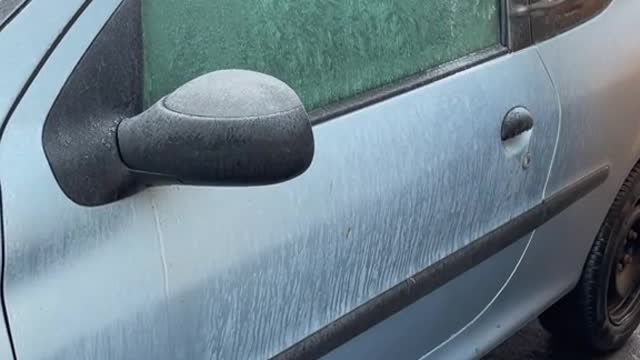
(533, 343)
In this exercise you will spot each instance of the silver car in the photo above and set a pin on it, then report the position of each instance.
(304, 179)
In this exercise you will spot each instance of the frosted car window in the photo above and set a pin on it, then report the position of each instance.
(326, 50)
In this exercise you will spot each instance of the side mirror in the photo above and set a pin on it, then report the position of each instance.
(230, 127)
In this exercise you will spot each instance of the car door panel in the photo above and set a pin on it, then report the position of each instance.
(65, 270)
(352, 216)
(429, 322)
(599, 126)
(187, 272)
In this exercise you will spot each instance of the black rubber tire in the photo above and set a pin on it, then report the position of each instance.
(582, 315)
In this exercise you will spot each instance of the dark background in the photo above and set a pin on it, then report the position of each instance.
(533, 343)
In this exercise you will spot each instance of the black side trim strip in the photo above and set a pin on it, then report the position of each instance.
(412, 289)
(404, 85)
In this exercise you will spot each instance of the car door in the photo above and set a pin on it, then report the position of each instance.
(592, 57)
(433, 143)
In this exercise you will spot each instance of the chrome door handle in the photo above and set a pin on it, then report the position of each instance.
(540, 6)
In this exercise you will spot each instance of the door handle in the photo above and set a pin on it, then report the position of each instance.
(537, 7)
(517, 121)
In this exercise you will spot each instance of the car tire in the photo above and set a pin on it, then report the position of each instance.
(603, 310)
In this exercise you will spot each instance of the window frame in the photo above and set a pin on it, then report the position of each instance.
(514, 34)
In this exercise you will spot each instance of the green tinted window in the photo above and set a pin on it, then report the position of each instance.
(326, 50)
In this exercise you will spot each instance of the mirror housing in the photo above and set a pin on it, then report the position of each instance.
(230, 127)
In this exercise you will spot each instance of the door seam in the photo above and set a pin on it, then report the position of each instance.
(559, 104)
(531, 236)
(3, 258)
